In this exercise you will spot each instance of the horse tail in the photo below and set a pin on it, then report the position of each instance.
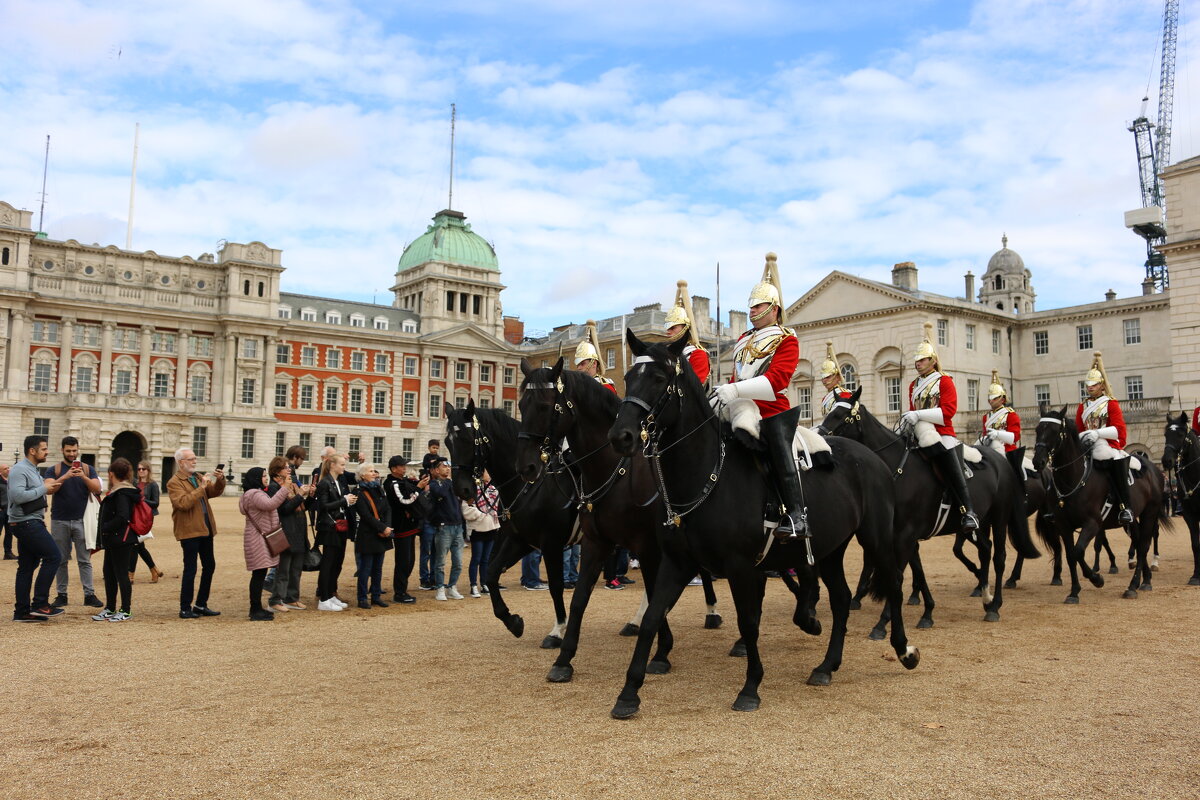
(1018, 523)
(1164, 504)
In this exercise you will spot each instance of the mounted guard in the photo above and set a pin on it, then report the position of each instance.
(1101, 428)
(587, 358)
(932, 403)
(680, 323)
(831, 379)
(1002, 426)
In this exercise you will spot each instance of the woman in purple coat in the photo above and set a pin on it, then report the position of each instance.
(262, 517)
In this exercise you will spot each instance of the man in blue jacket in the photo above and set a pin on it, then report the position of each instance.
(446, 519)
(26, 518)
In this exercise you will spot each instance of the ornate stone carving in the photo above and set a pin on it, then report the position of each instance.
(170, 436)
(8, 217)
(89, 432)
(256, 252)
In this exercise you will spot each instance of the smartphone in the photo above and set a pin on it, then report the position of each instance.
(220, 467)
(76, 464)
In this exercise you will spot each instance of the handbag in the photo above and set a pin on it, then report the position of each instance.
(276, 541)
(341, 525)
(91, 524)
(312, 559)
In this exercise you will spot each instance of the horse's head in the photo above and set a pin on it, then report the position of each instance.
(547, 415)
(1051, 435)
(843, 419)
(468, 449)
(1176, 434)
(650, 384)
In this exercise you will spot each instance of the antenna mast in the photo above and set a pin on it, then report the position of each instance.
(132, 187)
(45, 169)
(453, 114)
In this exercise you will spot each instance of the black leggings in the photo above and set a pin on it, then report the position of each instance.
(139, 549)
(257, 578)
(116, 575)
(332, 556)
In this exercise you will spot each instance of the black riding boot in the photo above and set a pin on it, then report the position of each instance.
(1016, 460)
(777, 435)
(952, 465)
(1118, 476)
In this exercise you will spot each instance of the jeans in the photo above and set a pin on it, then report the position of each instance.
(370, 566)
(404, 563)
(531, 566)
(426, 565)
(34, 544)
(482, 545)
(332, 555)
(287, 577)
(571, 563)
(448, 538)
(116, 576)
(199, 547)
(68, 532)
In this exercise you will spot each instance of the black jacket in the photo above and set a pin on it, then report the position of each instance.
(374, 517)
(406, 516)
(447, 510)
(293, 519)
(331, 506)
(116, 512)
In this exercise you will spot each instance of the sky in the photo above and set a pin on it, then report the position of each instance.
(605, 149)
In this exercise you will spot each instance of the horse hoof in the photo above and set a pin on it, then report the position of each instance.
(811, 626)
(1114, 570)
(1097, 580)
(1010, 584)
(658, 667)
(819, 678)
(1145, 587)
(744, 703)
(738, 650)
(1130, 594)
(560, 673)
(1132, 563)
(1194, 581)
(924, 622)
(977, 592)
(516, 626)
(914, 600)
(911, 657)
(630, 629)
(1154, 566)
(1056, 582)
(712, 621)
(876, 635)
(624, 709)
(991, 616)
(551, 643)
(1071, 600)
(855, 604)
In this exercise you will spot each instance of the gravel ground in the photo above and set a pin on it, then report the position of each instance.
(437, 699)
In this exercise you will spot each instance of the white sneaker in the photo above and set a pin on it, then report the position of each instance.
(475, 590)
(441, 593)
(453, 593)
(337, 601)
(328, 605)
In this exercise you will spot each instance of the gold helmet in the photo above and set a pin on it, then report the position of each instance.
(829, 365)
(926, 349)
(589, 348)
(997, 388)
(1097, 374)
(769, 289)
(681, 314)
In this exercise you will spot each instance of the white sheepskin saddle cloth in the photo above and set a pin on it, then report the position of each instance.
(971, 454)
(743, 414)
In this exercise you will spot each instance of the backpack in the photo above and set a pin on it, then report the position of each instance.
(142, 519)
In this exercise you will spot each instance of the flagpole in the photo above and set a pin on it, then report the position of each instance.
(719, 322)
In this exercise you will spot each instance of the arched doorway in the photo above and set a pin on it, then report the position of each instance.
(128, 445)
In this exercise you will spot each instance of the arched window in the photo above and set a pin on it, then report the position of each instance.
(999, 282)
(1000, 306)
(260, 288)
(849, 377)
(4, 256)
(246, 288)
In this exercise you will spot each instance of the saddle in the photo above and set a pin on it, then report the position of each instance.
(809, 448)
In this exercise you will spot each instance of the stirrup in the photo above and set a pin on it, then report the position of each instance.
(970, 522)
(1125, 517)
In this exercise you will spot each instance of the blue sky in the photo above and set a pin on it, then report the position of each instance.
(606, 149)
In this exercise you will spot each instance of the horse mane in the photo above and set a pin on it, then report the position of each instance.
(867, 416)
(592, 398)
(500, 427)
(659, 350)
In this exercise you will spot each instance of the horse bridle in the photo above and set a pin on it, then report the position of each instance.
(1184, 447)
(1062, 438)
(854, 415)
(549, 447)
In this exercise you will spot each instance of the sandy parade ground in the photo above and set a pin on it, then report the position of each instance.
(437, 699)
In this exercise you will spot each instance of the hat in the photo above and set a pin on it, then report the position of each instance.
(926, 349)
(1097, 374)
(437, 461)
(829, 365)
(681, 314)
(589, 348)
(997, 388)
(399, 461)
(768, 290)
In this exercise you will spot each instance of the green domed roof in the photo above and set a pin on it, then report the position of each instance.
(449, 240)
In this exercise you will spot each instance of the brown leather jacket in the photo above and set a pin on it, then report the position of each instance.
(188, 503)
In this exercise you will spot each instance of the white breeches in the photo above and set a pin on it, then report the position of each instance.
(927, 436)
(1102, 451)
(998, 446)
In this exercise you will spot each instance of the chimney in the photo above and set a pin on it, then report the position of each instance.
(700, 311)
(1148, 286)
(514, 330)
(904, 276)
(1110, 295)
(738, 322)
(969, 279)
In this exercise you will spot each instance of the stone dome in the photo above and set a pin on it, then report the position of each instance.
(1005, 260)
(449, 240)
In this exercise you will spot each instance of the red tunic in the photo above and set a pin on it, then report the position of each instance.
(1112, 416)
(1012, 424)
(699, 361)
(1196, 420)
(607, 384)
(779, 374)
(947, 402)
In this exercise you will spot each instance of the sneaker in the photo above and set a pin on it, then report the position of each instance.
(102, 616)
(625, 581)
(427, 587)
(475, 590)
(92, 600)
(378, 602)
(280, 607)
(59, 601)
(634, 564)
(205, 611)
(536, 587)
(453, 593)
(614, 584)
(27, 618)
(46, 612)
(120, 616)
(328, 605)
(407, 599)
(339, 601)
(441, 594)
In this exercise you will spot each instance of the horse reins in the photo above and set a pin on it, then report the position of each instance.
(1187, 444)
(1062, 438)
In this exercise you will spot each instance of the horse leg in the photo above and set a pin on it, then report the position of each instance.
(959, 540)
(659, 663)
(712, 620)
(833, 575)
(510, 552)
(983, 541)
(1101, 540)
(552, 557)
(864, 583)
(1154, 563)
(1068, 545)
(1079, 552)
(999, 556)
(1015, 575)
(1056, 548)
(926, 620)
(1193, 523)
(591, 562)
(748, 586)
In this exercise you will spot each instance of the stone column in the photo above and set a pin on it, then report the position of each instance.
(474, 362)
(181, 363)
(18, 353)
(267, 398)
(106, 358)
(143, 376)
(64, 354)
(228, 390)
(422, 400)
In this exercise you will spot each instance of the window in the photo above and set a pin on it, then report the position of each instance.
(849, 377)
(358, 361)
(308, 356)
(280, 443)
(308, 315)
(122, 381)
(199, 389)
(306, 441)
(406, 448)
(358, 321)
(44, 331)
(4, 257)
(970, 337)
(333, 318)
(381, 324)
(281, 395)
(377, 449)
(249, 348)
(995, 341)
(449, 301)
(460, 402)
(1083, 335)
(381, 362)
(86, 336)
(510, 375)
(307, 391)
(973, 394)
(249, 385)
(1133, 331)
(331, 441)
(333, 358)
(410, 404)
(248, 443)
(198, 346)
(610, 358)
(380, 404)
(356, 400)
(410, 365)
(283, 354)
(43, 377)
(161, 342)
(354, 447)
(83, 379)
(1082, 391)
(435, 368)
(200, 441)
(127, 339)
(285, 312)
(509, 405)
(891, 390)
(161, 386)
(485, 402)
(408, 326)
(41, 426)
(476, 302)
(1041, 393)
(485, 373)
(331, 398)
(435, 406)
(460, 370)
(1133, 387)
(1041, 343)
(804, 401)
(943, 332)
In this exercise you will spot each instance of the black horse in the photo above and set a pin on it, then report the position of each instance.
(715, 494)
(998, 498)
(1184, 446)
(537, 515)
(618, 504)
(1079, 492)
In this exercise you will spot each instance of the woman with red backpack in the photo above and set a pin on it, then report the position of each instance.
(118, 539)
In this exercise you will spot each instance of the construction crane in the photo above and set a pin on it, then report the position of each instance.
(1153, 143)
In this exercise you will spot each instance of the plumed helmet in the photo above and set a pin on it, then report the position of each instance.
(769, 289)
(997, 388)
(829, 365)
(1097, 374)
(589, 347)
(681, 314)
(926, 349)
(676, 316)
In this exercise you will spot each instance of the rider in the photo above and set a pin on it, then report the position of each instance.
(679, 323)
(587, 358)
(1001, 425)
(932, 401)
(831, 379)
(1196, 421)
(1101, 427)
(765, 358)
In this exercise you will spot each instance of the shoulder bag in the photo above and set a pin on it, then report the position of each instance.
(276, 541)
